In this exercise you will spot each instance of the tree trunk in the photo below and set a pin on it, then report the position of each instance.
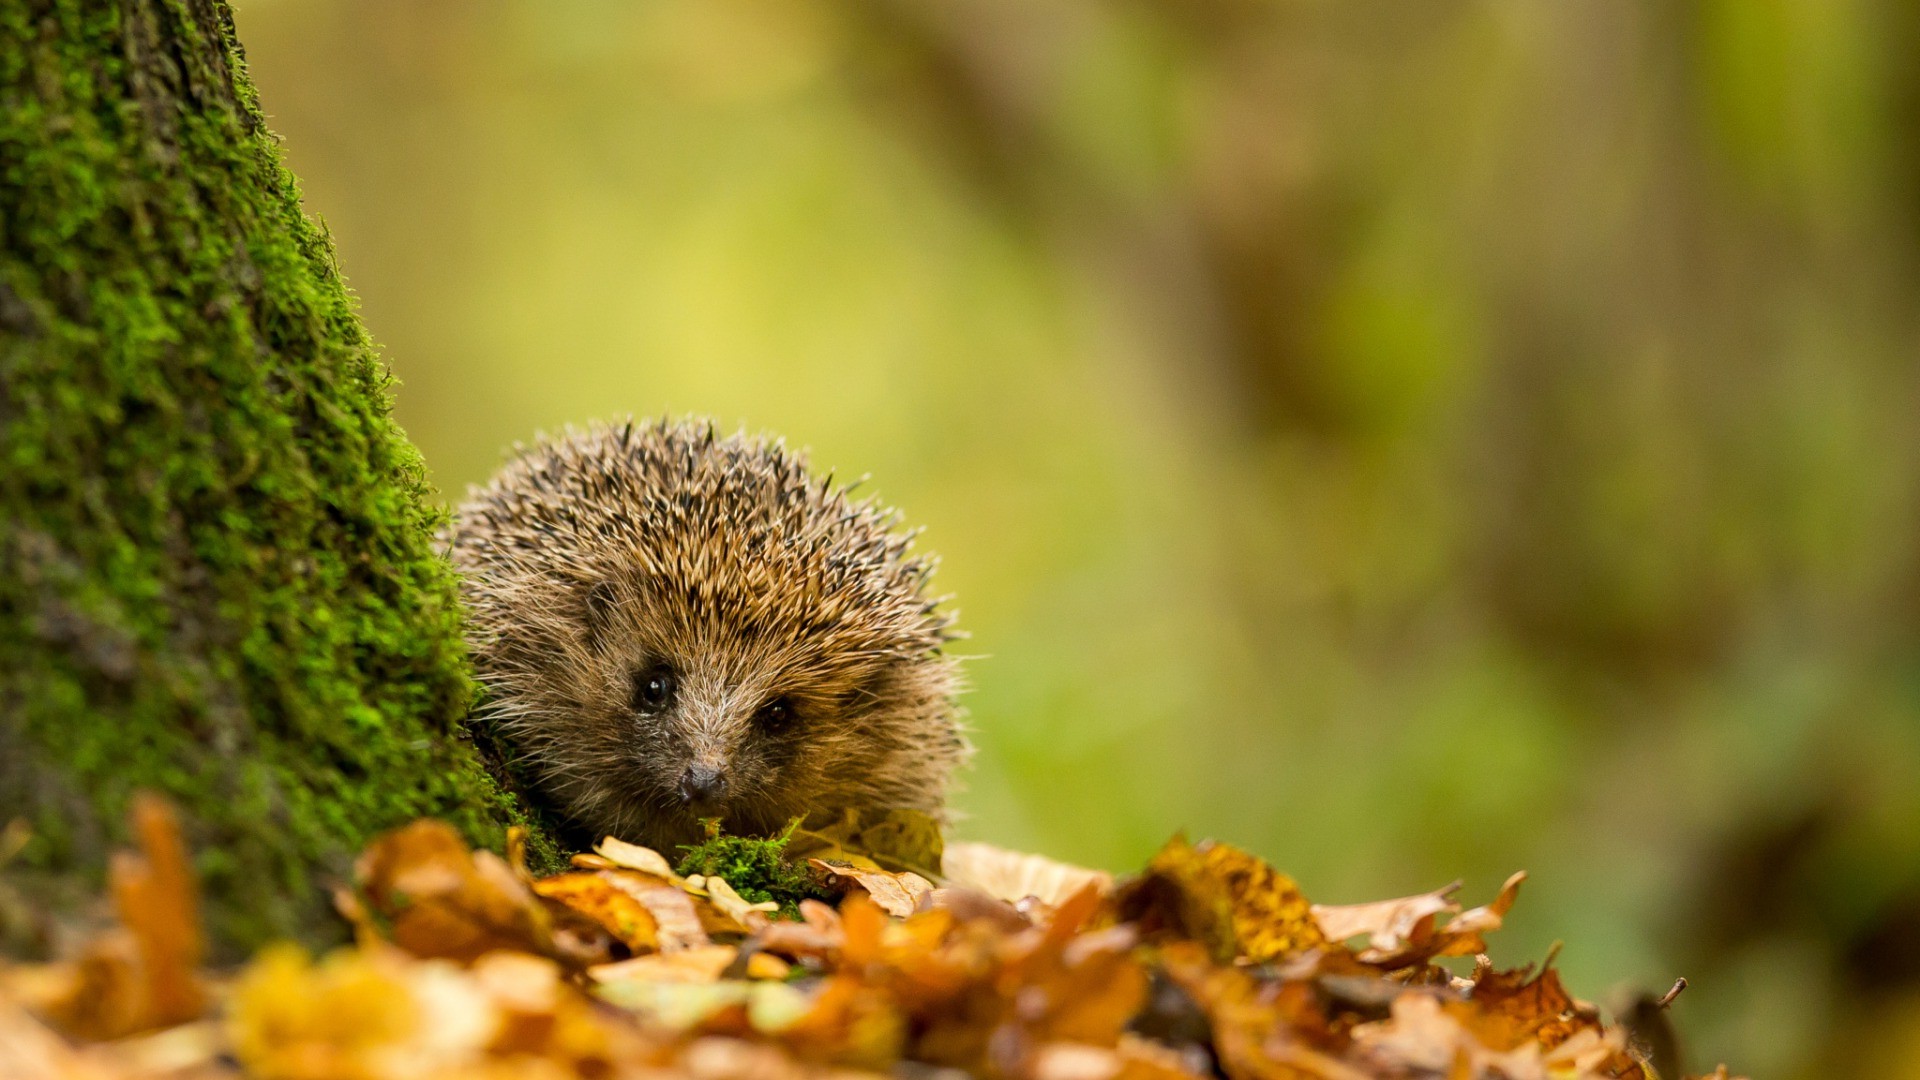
(217, 570)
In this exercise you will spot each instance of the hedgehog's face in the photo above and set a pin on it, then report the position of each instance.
(751, 720)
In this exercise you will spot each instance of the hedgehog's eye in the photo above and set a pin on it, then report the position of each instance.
(653, 689)
(776, 715)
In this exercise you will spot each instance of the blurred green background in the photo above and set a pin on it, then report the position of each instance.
(1408, 438)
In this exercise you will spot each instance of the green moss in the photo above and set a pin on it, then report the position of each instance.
(754, 866)
(217, 573)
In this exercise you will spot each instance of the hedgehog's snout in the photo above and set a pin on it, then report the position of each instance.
(702, 787)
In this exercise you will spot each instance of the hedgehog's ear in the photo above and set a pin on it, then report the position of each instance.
(601, 603)
(875, 688)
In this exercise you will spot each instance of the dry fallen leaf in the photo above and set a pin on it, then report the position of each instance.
(442, 900)
(1513, 1008)
(31, 1051)
(1463, 933)
(677, 922)
(898, 895)
(1210, 963)
(1404, 931)
(1394, 928)
(816, 937)
(634, 857)
(1217, 894)
(155, 897)
(702, 964)
(357, 1015)
(896, 840)
(729, 903)
(1014, 876)
(143, 974)
(1422, 1038)
(597, 897)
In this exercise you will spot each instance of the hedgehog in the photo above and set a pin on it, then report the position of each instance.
(673, 627)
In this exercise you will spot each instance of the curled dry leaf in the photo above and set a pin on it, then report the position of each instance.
(440, 900)
(1403, 932)
(1014, 876)
(143, 974)
(817, 936)
(157, 901)
(1395, 929)
(598, 898)
(677, 923)
(749, 916)
(1513, 1008)
(899, 895)
(634, 857)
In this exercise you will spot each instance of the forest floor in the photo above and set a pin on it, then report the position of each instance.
(832, 951)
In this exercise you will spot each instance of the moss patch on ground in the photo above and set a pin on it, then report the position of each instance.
(756, 867)
(217, 572)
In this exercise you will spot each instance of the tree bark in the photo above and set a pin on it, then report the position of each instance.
(217, 570)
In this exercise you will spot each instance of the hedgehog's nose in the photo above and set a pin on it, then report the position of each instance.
(702, 785)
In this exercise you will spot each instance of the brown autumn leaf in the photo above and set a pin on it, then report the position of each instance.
(1464, 933)
(440, 900)
(1131, 1060)
(1433, 1032)
(101, 994)
(1404, 931)
(1597, 1051)
(1259, 1029)
(1097, 989)
(597, 898)
(1397, 930)
(677, 920)
(816, 937)
(1014, 876)
(847, 1022)
(701, 964)
(155, 897)
(1422, 1038)
(143, 974)
(899, 895)
(1512, 1008)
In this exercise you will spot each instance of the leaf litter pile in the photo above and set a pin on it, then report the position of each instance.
(830, 952)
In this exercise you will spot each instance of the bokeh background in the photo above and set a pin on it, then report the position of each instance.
(1407, 438)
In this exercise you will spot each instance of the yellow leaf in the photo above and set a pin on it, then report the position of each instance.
(898, 895)
(613, 908)
(892, 840)
(1219, 895)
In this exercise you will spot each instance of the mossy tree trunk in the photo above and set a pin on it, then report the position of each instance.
(217, 571)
